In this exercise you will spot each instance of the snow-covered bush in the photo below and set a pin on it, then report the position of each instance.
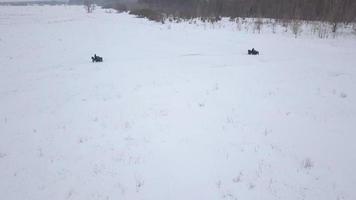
(307, 163)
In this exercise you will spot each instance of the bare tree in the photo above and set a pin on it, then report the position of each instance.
(274, 25)
(296, 27)
(258, 23)
(89, 6)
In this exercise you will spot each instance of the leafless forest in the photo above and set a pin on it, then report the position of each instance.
(320, 10)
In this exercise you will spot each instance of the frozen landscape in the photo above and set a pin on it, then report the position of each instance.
(175, 111)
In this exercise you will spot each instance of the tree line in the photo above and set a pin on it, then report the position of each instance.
(334, 11)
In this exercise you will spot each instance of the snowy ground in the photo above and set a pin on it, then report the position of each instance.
(176, 111)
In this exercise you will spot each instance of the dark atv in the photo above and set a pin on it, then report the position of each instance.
(253, 52)
(96, 58)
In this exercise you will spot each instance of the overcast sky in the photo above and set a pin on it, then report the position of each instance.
(28, 0)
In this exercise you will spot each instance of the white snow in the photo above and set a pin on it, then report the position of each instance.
(175, 111)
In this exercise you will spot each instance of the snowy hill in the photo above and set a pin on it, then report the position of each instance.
(175, 111)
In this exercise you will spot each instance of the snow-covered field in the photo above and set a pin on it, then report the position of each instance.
(175, 111)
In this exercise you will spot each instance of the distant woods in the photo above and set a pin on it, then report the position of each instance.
(320, 17)
(321, 10)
